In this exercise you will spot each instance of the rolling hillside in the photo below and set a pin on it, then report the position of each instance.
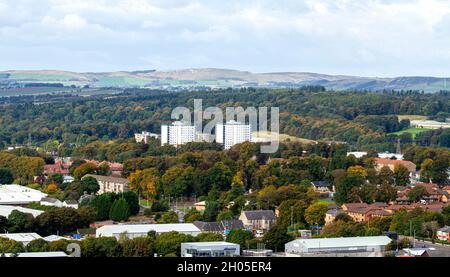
(219, 78)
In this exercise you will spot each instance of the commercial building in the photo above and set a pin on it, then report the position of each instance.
(6, 210)
(141, 230)
(429, 124)
(177, 133)
(54, 254)
(145, 137)
(349, 246)
(391, 164)
(110, 184)
(23, 238)
(19, 195)
(210, 249)
(232, 132)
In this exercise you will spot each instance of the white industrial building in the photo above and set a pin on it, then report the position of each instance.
(210, 249)
(6, 210)
(374, 244)
(385, 155)
(141, 230)
(54, 254)
(23, 238)
(232, 132)
(177, 133)
(19, 195)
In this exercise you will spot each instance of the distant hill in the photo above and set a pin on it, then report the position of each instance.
(220, 78)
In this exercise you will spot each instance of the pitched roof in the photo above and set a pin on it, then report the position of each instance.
(208, 226)
(445, 229)
(409, 165)
(108, 179)
(259, 215)
(232, 224)
(319, 184)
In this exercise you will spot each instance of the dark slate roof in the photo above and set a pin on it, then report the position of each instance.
(233, 224)
(259, 215)
(49, 199)
(208, 226)
(318, 184)
(71, 202)
(445, 229)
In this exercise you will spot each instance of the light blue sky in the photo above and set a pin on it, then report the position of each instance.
(370, 38)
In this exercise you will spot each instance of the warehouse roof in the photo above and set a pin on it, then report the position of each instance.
(55, 254)
(110, 230)
(209, 243)
(5, 210)
(15, 194)
(21, 237)
(342, 242)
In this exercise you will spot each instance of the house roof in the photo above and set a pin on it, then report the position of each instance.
(50, 200)
(232, 224)
(319, 184)
(342, 242)
(71, 202)
(259, 215)
(108, 179)
(409, 165)
(208, 226)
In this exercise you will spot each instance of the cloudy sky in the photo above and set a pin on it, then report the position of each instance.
(371, 38)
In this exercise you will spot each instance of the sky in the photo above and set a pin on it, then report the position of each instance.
(374, 38)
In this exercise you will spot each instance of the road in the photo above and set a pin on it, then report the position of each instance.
(434, 250)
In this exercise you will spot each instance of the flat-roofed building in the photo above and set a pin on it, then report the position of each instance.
(19, 195)
(6, 210)
(23, 238)
(210, 249)
(141, 230)
(346, 245)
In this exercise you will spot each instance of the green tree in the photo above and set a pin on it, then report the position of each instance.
(401, 175)
(89, 184)
(169, 243)
(10, 246)
(120, 211)
(417, 193)
(6, 176)
(205, 237)
(100, 247)
(20, 222)
(138, 247)
(169, 217)
(240, 237)
(37, 245)
(315, 214)
(102, 204)
(277, 237)
(212, 209)
(192, 215)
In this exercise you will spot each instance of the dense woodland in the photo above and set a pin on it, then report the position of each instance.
(361, 119)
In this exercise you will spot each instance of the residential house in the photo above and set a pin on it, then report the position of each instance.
(330, 216)
(434, 193)
(200, 206)
(323, 187)
(380, 163)
(110, 184)
(258, 220)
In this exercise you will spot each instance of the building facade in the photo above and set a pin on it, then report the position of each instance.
(210, 249)
(232, 132)
(177, 133)
(145, 137)
(110, 184)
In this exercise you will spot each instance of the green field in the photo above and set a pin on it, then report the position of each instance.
(412, 131)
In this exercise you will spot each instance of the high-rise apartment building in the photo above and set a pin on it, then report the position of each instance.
(232, 132)
(177, 133)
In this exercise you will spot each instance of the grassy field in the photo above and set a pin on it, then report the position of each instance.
(283, 137)
(412, 131)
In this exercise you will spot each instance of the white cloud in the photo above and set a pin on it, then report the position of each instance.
(374, 37)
